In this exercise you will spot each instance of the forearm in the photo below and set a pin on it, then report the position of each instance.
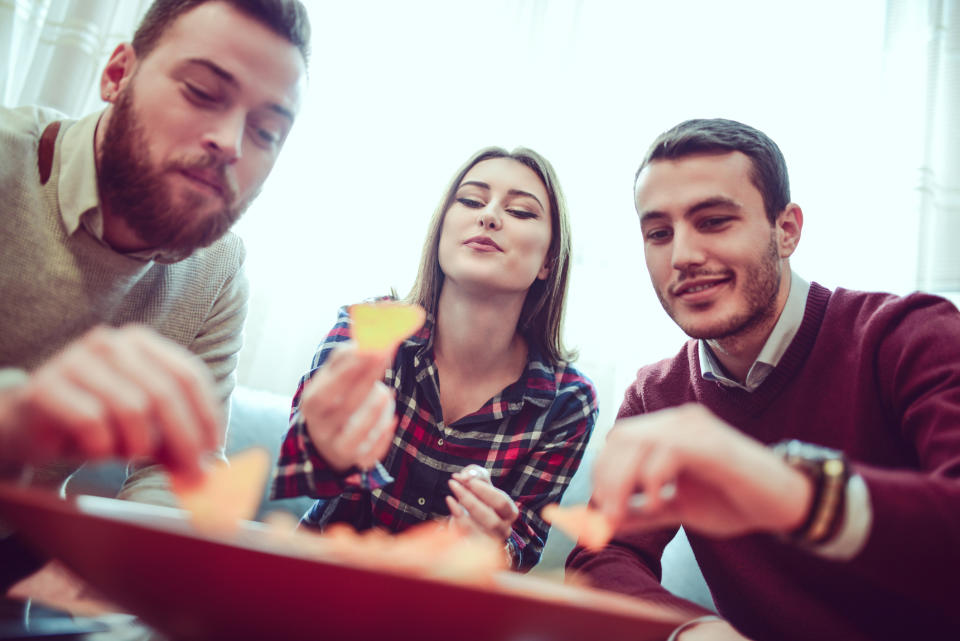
(914, 532)
(630, 565)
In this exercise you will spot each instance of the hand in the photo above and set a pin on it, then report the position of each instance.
(727, 484)
(349, 412)
(114, 393)
(479, 507)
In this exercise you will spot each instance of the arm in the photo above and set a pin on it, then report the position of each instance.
(631, 562)
(218, 345)
(512, 514)
(112, 393)
(916, 512)
(342, 421)
(543, 478)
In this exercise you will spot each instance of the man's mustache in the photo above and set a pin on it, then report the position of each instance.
(221, 173)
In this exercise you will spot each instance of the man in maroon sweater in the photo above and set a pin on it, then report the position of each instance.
(807, 440)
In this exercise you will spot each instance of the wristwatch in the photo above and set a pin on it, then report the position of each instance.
(829, 472)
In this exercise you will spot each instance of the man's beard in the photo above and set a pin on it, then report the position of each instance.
(132, 189)
(760, 289)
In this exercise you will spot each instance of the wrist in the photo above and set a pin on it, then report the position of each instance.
(699, 628)
(827, 472)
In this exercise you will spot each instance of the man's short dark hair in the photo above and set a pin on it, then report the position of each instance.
(720, 136)
(287, 18)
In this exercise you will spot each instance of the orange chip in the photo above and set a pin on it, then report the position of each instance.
(227, 493)
(381, 326)
(585, 525)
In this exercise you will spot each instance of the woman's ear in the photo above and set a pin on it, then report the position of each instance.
(544, 271)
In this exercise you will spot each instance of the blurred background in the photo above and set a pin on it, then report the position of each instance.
(861, 95)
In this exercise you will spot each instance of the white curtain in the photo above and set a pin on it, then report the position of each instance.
(922, 66)
(53, 51)
(861, 97)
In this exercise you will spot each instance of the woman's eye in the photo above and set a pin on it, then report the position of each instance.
(266, 137)
(469, 202)
(522, 213)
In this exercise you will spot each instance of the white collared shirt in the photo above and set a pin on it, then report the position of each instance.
(773, 350)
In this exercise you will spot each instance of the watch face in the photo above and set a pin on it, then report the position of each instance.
(794, 449)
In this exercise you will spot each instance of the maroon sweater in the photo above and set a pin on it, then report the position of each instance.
(878, 377)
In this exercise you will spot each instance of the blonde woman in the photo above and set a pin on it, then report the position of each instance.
(479, 417)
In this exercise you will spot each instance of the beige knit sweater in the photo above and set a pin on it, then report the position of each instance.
(58, 279)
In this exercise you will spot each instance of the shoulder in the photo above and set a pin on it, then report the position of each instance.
(26, 122)
(670, 372)
(20, 131)
(571, 403)
(879, 311)
(570, 380)
(655, 384)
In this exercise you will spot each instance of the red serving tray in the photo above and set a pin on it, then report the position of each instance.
(190, 586)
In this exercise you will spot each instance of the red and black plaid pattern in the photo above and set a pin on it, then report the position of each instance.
(530, 437)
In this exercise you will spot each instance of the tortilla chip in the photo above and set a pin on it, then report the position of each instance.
(426, 549)
(588, 527)
(227, 493)
(383, 325)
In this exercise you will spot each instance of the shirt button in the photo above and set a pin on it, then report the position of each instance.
(421, 501)
(440, 442)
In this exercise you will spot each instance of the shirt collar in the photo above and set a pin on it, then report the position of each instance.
(77, 186)
(537, 384)
(78, 192)
(773, 349)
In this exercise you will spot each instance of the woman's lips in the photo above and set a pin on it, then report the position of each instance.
(483, 244)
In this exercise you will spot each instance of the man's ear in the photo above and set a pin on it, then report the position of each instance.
(118, 72)
(789, 225)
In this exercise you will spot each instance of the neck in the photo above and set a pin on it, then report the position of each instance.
(738, 352)
(478, 335)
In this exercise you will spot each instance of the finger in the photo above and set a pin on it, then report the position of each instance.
(498, 500)
(472, 471)
(456, 510)
(384, 436)
(661, 468)
(174, 391)
(194, 385)
(70, 422)
(126, 407)
(460, 518)
(480, 512)
(340, 387)
(615, 476)
(363, 425)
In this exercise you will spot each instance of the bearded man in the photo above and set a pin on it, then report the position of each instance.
(123, 292)
(807, 440)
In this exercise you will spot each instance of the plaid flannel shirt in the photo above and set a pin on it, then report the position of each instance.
(530, 437)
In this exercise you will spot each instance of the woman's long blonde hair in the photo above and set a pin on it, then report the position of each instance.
(541, 319)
